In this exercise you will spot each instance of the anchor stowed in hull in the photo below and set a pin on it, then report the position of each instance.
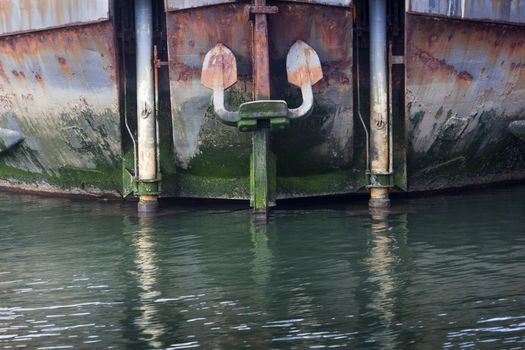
(219, 72)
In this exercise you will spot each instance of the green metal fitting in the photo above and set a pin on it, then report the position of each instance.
(380, 180)
(255, 115)
(148, 187)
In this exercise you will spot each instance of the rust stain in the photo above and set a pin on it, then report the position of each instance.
(325, 29)
(67, 46)
(328, 29)
(469, 77)
(64, 66)
(434, 65)
(4, 76)
(221, 69)
(261, 63)
(63, 51)
(193, 32)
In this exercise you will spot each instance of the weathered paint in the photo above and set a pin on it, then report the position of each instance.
(205, 148)
(303, 70)
(491, 10)
(260, 174)
(20, 16)
(323, 142)
(465, 82)
(174, 5)
(219, 72)
(347, 3)
(59, 90)
(146, 118)
(203, 145)
(379, 115)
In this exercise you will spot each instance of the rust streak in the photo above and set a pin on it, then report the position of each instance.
(435, 64)
(4, 76)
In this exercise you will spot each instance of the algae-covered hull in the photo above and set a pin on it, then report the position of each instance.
(69, 118)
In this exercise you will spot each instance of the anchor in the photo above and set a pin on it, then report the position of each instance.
(219, 72)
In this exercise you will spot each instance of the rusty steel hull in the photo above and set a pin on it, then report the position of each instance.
(58, 88)
(325, 140)
(485, 10)
(210, 152)
(465, 82)
(24, 16)
(67, 89)
(204, 147)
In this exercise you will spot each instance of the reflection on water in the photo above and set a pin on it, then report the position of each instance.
(382, 260)
(146, 265)
(441, 272)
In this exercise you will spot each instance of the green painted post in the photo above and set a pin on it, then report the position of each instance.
(259, 172)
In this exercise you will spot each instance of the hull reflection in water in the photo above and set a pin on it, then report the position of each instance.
(444, 272)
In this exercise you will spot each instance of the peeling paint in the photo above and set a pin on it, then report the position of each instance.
(465, 84)
(321, 143)
(59, 89)
(23, 16)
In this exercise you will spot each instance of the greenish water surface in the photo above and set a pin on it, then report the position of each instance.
(441, 272)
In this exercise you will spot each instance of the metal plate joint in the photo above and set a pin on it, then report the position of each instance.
(251, 10)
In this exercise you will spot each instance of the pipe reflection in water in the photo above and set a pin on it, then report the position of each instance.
(79, 273)
(383, 262)
(147, 275)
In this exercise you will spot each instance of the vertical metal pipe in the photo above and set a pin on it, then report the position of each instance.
(146, 124)
(379, 121)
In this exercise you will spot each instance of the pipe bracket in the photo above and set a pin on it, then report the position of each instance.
(148, 187)
(380, 180)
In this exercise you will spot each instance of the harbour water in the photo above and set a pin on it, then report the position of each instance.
(439, 272)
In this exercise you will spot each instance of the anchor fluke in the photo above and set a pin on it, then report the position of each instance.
(304, 70)
(219, 72)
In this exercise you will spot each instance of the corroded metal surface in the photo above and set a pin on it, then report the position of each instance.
(219, 69)
(219, 72)
(324, 141)
(492, 10)
(347, 3)
(29, 15)
(173, 5)
(206, 149)
(303, 69)
(465, 82)
(302, 65)
(197, 133)
(59, 90)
